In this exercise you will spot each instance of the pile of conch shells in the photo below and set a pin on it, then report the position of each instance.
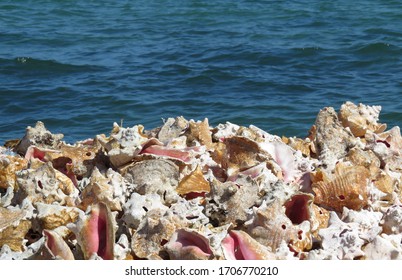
(186, 190)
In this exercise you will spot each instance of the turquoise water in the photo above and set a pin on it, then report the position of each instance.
(79, 66)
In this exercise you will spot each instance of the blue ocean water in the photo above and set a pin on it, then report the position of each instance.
(79, 66)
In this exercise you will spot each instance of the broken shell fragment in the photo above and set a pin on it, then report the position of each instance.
(194, 183)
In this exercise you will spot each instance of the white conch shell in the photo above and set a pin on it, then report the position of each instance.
(345, 234)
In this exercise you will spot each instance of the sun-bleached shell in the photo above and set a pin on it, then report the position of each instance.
(138, 205)
(155, 229)
(38, 136)
(44, 184)
(172, 128)
(392, 220)
(270, 226)
(332, 140)
(361, 118)
(384, 247)
(230, 203)
(341, 239)
(123, 144)
(387, 146)
(155, 176)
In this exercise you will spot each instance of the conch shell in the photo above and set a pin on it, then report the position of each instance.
(96, 233)
(154, 231)
(13, 228)
(9, 165)
(271, 226)
(54, 247)
(347, 189)
(361, 118)
(200, 132)
(186, 244)
(238, 245)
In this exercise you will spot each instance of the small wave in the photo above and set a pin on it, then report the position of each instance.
(376, 48)
(26, 65)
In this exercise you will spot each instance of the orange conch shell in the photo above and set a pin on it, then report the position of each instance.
(201, 132)
(193, 183)
(347, 189)
(13, 228)
(242, 153)
(8, 166)
(367, 159)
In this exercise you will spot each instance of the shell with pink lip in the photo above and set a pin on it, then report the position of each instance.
(238, 245)
(95, 232)
(187, 244)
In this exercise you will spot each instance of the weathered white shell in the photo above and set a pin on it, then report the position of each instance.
(155, 229)
(332, 140)
(392, 220)
(270, 226)
(231, 203)
(38, 136)
(384, 247)
(361, 118)
(342, 239)
(44, 184)
(123, 144)
(138, 205)
(158, 176)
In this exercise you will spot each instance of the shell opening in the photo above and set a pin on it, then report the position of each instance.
(297, 208)
(188, 239)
